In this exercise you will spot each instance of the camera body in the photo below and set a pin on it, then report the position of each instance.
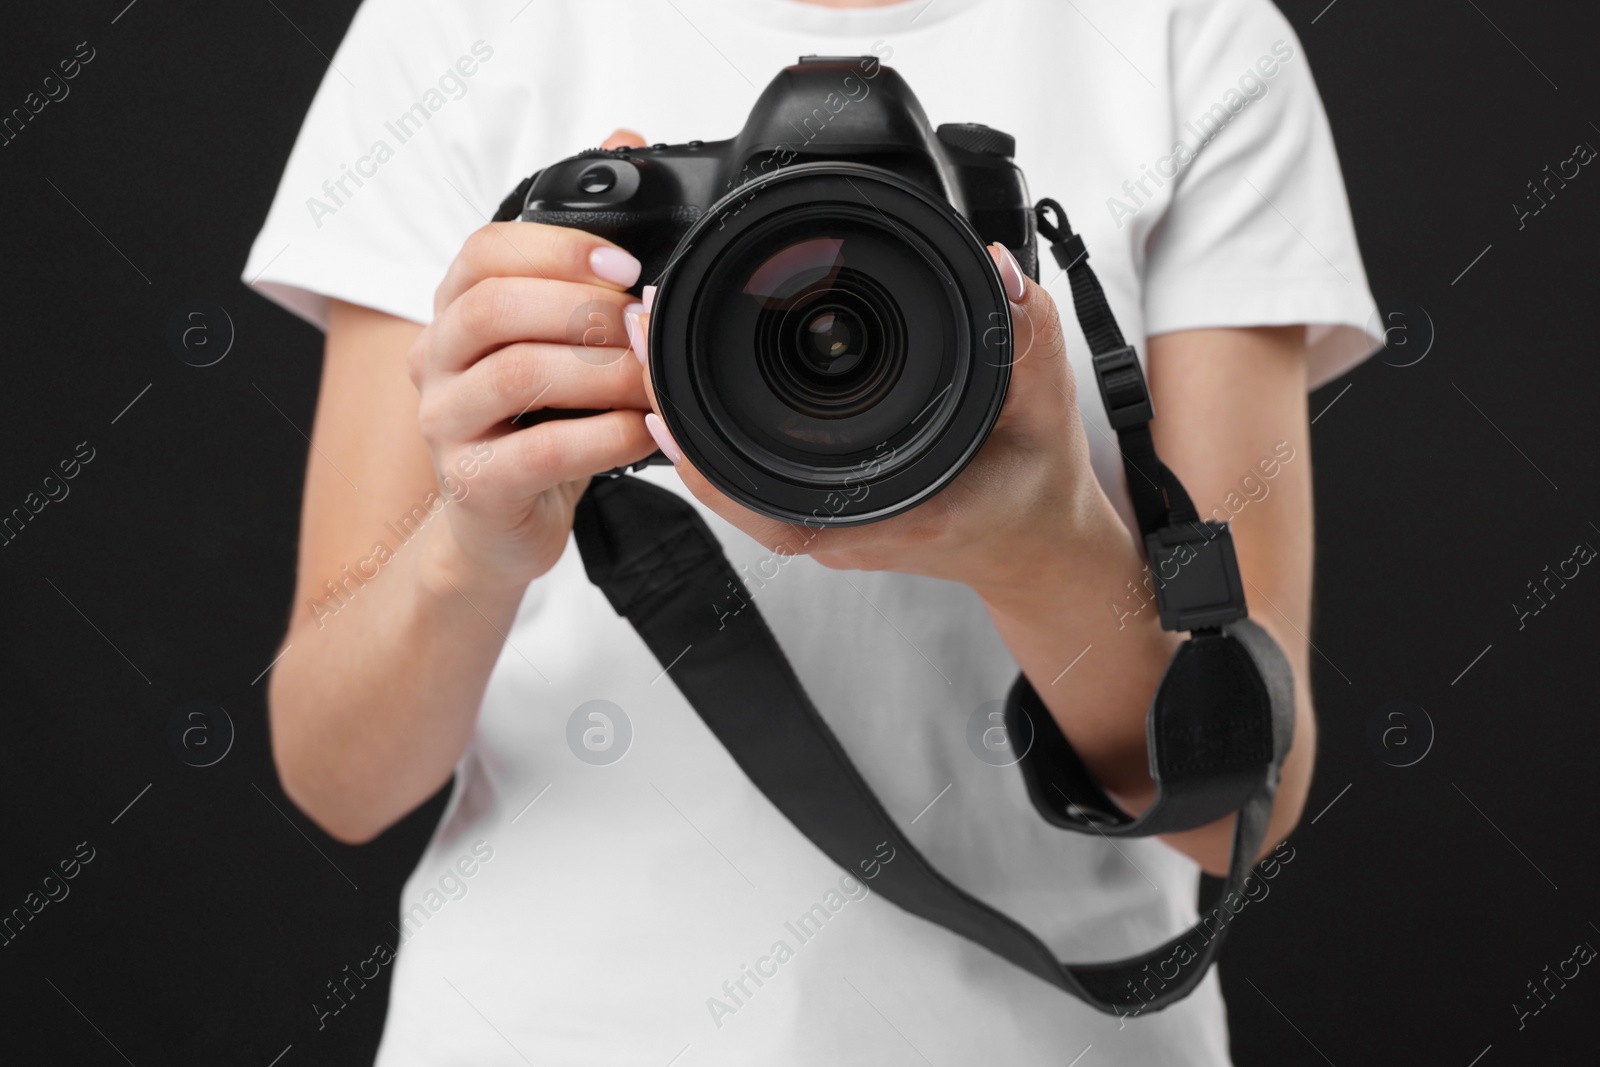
(830, 342)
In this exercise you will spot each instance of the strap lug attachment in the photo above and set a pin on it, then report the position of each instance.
(1069, 251)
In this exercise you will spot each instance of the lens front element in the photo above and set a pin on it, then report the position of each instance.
(835, 348)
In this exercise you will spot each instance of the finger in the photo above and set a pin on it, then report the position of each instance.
(1041, 375)
(525, 377)
(534, 250)
(624, 138)
(637, 319)
(501, 311)
(565, 450)
(764, 530)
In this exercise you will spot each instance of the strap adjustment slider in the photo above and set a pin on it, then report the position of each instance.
(1122, 387)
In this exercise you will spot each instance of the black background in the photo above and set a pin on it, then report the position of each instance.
(1418, 904)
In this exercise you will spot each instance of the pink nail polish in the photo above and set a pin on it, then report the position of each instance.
(664, 441)
(649, 297)
(636, 339)
(614, 265)
(1010, 271)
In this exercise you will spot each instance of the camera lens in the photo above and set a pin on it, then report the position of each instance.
(831, 341)
(831, 344)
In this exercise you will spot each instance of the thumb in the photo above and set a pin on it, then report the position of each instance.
(621, 138)
(1041, 375)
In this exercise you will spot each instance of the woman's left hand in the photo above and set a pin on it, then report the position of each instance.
(1027, 495)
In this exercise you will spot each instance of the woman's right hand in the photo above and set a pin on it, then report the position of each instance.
(527, 317)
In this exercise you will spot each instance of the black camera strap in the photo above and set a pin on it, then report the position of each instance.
(1219, 725)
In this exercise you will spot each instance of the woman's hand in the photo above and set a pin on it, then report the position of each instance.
(1025, 497)
(527, 317)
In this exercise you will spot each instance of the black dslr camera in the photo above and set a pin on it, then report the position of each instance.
(830, 342)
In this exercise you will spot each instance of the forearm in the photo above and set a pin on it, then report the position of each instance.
(1095, 658)
(1095, 672)
(372, 707)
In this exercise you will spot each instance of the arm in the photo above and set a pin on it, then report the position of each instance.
(388, 652)
(1224, 399)
(373, 702)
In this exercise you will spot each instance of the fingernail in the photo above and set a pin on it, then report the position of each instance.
(649, 297)
(630, 317)
(664, 441)
(1010, 271)
(614, 265)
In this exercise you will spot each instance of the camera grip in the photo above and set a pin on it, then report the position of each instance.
(614, 226)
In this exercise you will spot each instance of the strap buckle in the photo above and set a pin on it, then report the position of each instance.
(1197, 576)
(1122, 387)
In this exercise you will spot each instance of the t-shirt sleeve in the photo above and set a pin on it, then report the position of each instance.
(379, 193)
(1258, 230)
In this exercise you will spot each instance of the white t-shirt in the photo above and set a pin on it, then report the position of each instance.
(575, 912)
